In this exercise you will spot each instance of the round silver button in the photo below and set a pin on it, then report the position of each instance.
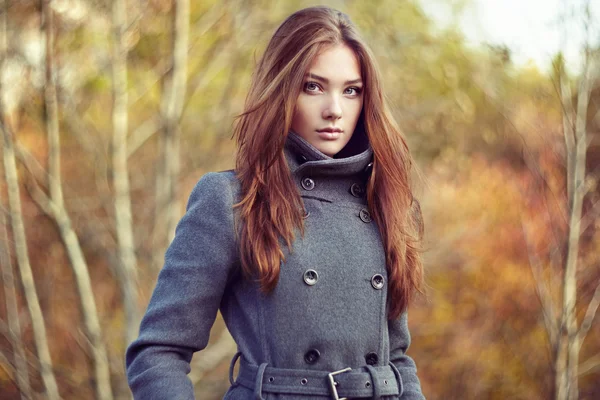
(310, 277)
(377, 281)
(307, 184)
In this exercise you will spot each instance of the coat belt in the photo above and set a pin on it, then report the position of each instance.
(366, 382)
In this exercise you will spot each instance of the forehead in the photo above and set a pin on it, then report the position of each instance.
(338, 63)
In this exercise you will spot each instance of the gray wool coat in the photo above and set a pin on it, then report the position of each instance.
(327, 312)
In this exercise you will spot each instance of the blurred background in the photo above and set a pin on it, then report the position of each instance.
(105, 135)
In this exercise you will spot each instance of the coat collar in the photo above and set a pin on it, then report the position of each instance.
(302, 157)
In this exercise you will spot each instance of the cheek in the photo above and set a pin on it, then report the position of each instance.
(353, 109)
(305, 111)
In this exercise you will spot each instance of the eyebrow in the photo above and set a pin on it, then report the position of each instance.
(326, 81)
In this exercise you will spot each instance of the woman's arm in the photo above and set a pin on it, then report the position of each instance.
(187, 295)
(399, 343)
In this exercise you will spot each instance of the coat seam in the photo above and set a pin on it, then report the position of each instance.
(261, 322)
(383, 302)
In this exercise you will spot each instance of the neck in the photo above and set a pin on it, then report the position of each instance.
(301, 155)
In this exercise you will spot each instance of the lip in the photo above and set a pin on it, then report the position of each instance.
(330, 130)
(329, 133)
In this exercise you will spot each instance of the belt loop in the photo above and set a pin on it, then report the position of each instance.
(232, 365)
(398, 378)
(259, 381)
(374, 382)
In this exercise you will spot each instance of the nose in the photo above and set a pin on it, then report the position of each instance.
(333, 110)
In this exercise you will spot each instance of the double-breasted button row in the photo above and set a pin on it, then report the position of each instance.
(363, 214)
(311, 277)
(356, 189)
(313, 355)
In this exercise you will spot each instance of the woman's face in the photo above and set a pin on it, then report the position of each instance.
(328, 107)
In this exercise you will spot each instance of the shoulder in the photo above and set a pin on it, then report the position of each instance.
(210, 209)
(215, 188)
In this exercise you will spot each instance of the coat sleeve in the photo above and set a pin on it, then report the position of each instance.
(185, 301)
(399, 343)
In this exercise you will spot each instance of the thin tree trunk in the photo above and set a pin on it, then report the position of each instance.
(12, 312)
(181, 18)
(167, 212)
(567, 359)
(560, 349)
(31, 298)
(568, 129)
(127, 270)
(579, 191)
(58, 212)
(8, 279)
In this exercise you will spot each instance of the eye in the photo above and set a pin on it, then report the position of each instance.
(311, 87)
(356, 90)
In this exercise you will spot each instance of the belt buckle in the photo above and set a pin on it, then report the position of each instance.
(333, 383)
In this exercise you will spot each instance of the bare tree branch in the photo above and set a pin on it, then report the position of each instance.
(542, 291)
(142, 134)
(9, 370)
(39, 174)
(590, 216)
(590, 314)
(590, 365)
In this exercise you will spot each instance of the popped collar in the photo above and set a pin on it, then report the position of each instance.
(332, 178)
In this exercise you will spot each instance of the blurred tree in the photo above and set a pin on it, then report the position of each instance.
(13, 326)
(565, 333)
(21, 249)
(167, 212)
(127, 268)
(54, 206)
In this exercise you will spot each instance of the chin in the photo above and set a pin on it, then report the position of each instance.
(330, 150)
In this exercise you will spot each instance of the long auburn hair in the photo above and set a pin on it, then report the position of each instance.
(271, 207)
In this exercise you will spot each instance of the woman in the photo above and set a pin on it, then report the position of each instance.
(308, 249)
